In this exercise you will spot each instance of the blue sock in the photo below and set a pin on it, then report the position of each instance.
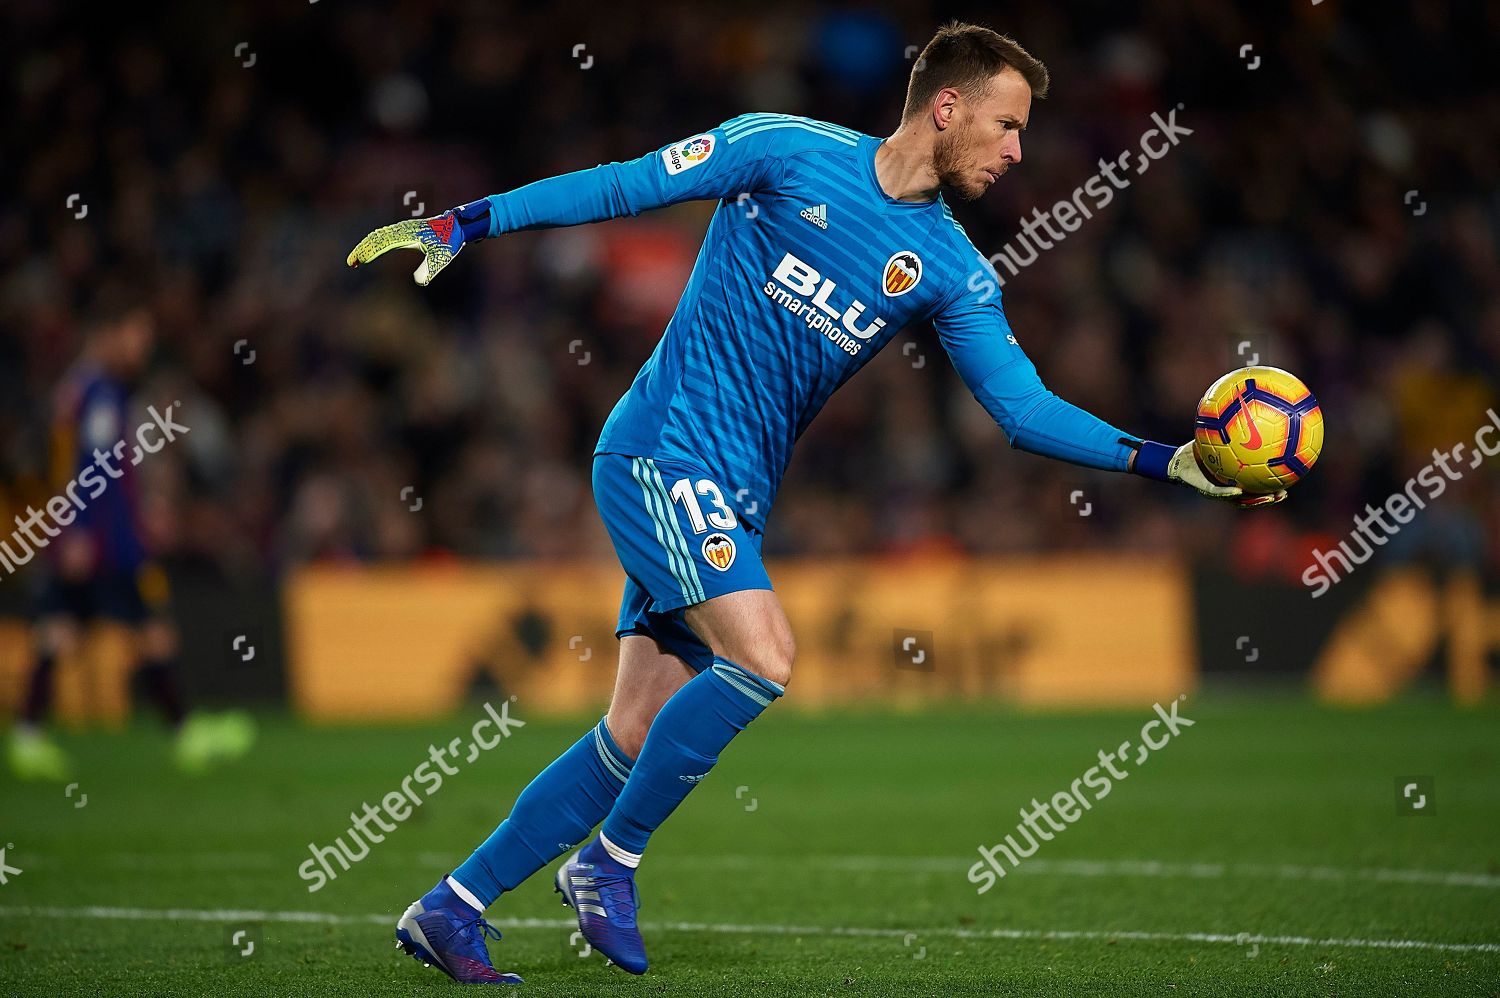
(556, 811)
(682, 746)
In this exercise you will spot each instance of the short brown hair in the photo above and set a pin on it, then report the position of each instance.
(966, 57)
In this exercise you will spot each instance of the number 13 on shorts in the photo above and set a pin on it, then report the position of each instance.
(674, 530)
(687, 493)
(718, 549)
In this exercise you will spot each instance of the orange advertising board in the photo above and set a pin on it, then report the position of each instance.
(413, 641)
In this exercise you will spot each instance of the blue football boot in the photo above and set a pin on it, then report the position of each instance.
(442, 931)
(602, 893)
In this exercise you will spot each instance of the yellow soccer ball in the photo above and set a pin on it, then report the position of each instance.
(1258, 428)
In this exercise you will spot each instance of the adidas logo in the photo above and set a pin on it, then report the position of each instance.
(817, 214)
(692, 779)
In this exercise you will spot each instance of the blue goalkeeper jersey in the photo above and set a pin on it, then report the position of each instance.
(807, 270)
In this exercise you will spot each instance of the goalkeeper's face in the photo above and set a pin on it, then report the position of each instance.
(983, 137)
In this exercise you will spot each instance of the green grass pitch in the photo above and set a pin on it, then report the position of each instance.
(1260, 853)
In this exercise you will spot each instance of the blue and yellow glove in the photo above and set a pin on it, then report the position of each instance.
(438, 239)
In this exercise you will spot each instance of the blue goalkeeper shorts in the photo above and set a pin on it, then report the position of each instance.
(680, 543)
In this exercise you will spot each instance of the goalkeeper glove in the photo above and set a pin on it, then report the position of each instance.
(1162, 462)
(438, 239)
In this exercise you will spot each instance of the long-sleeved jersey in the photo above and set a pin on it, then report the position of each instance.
(808, 268)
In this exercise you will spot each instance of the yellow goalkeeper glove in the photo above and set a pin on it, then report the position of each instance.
(438, 239)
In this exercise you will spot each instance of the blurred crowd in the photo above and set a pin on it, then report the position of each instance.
(1336, 211)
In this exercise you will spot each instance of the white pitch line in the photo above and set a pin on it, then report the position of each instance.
(1109, 868)
(328, 918)
(906, 864)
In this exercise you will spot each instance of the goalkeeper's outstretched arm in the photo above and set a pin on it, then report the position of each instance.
(978, 338)
(707, 165)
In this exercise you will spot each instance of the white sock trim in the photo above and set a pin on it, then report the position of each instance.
(630, 859)
(464, 894)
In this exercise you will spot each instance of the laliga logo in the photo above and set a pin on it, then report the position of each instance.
(805, 280)
(688, 153)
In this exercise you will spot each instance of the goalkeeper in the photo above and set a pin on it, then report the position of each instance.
(850, 240)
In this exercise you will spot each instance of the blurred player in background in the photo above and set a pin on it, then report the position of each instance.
(99, 567)
(850, 240)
